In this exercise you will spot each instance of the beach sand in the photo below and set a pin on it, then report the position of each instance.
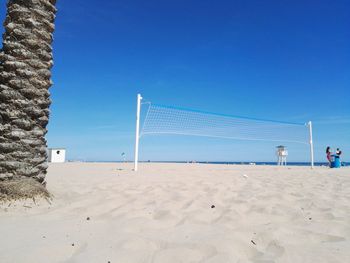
(104, 212)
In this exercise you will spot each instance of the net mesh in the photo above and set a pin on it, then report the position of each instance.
(162, 119)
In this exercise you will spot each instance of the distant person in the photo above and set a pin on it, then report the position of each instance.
(329, 155)
(338, 152)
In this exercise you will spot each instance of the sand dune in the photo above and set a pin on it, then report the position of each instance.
(104, 212)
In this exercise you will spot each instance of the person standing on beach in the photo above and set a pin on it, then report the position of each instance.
(329, 155)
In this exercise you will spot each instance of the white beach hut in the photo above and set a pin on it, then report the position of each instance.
(57, 155)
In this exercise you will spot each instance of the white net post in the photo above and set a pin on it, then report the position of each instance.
(137, 133)
(311, 145)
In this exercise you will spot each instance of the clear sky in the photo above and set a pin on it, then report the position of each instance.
(282, 60)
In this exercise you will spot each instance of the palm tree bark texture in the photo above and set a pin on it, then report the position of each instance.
(25, 78)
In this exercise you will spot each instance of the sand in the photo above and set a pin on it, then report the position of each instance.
(104, 212)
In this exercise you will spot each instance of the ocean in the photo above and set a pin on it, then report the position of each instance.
(249, 163)
(210, 162)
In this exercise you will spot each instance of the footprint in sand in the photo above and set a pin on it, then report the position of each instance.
(175, 253)
(162, 215)
(274, 249)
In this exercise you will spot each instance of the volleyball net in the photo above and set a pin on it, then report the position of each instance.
(162, 119)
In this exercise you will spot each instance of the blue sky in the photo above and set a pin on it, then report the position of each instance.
(282, 60)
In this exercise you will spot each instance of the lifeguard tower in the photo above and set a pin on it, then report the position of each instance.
(282, 154)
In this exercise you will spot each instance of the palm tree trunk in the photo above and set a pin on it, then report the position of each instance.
(25, 78)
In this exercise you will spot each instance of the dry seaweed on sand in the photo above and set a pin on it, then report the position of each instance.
(24, 188)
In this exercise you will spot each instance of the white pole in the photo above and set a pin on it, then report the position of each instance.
(311, 145)
(136, 159)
